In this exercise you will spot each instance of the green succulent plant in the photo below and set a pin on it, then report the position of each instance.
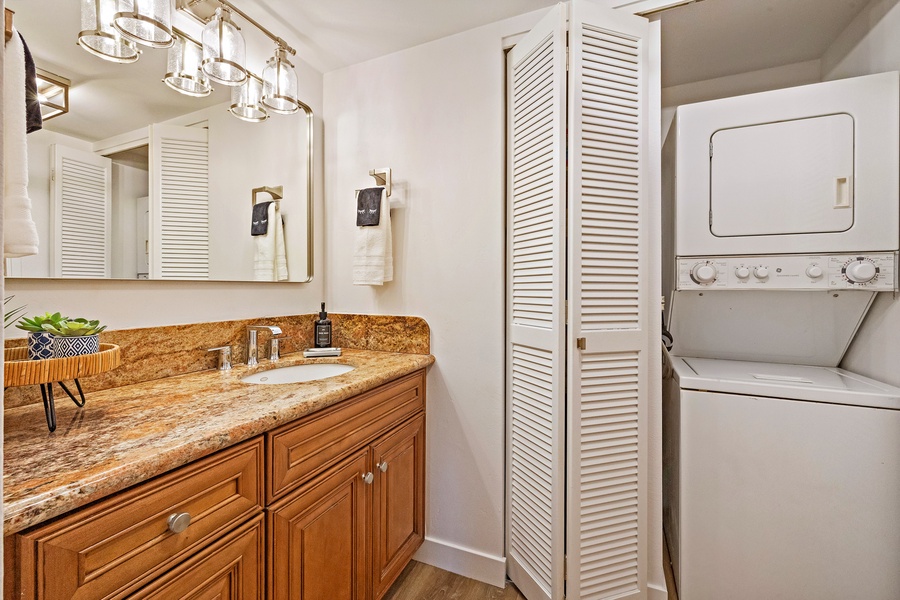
(74, 327)
(11, 315)
(36, 323)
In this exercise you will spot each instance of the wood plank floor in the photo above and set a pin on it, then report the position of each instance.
(424, 582)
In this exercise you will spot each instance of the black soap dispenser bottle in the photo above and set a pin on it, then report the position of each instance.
(323, 330)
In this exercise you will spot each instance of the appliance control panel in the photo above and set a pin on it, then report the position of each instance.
(874, 272)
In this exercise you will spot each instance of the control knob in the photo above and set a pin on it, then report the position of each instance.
(860, 271)
(742, 272)
(704, 273)
(761, 272)
(814, 271)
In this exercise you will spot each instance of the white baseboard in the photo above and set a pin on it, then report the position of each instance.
(655, 592)
(467, 562)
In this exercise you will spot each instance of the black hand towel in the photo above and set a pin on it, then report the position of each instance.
(368, 207)
(33, 120)
(260, 223)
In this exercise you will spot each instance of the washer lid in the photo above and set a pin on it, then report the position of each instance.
(796, 382)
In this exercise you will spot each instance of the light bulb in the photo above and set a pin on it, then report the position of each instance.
(280, 84)
(147, 22)
(99, 37)
(184, 73)
(224, 50)
(245, 102)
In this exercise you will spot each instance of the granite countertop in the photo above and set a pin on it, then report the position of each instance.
(126, 435)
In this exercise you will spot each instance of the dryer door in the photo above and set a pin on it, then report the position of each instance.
(782, 178)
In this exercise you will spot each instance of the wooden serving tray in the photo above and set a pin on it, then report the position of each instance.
(19, 370)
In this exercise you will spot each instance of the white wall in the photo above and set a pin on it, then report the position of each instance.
(435, 115)
(127, 304)
(870, 44)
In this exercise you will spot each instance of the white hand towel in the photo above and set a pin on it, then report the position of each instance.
(270, 258)
(20, 236)
(373, 258)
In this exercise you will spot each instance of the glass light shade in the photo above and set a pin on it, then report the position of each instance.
(245, 101)
(224, 50)
(147, 22)
(184, 73)
(280, 84)
(99, 37)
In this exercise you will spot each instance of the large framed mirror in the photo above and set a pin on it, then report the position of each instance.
(138, 181)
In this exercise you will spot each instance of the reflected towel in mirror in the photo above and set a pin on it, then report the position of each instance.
(270, 260)
(20, 236)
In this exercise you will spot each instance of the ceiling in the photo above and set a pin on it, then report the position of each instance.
(700, 41)
(714, 38)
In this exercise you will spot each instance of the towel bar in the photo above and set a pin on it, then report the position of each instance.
(382, 177)
(276, 192)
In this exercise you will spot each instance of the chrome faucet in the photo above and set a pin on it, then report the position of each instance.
(252, 343)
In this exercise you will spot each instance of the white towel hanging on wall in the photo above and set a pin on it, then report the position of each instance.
(373, 256)
(20, 236)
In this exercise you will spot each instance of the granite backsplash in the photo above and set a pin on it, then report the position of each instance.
(156, 352)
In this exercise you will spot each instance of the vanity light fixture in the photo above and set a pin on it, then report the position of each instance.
(111, 29)
(224, 49)
(184, 73)
(147, 22)
(280, 84)
(53, 94)
(99, 37)
(245, 101)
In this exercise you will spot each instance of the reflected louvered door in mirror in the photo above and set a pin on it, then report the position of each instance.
(81, 214)
(578, 388)
(179, 202)
(536, 309)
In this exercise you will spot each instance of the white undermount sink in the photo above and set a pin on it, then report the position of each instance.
(297, 373)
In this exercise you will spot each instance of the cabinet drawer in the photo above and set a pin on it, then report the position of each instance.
(301, 450)
(112, 548)
(231, 568)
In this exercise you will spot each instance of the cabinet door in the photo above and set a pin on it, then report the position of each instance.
(318, 535)
(230, 569)
(399, 501)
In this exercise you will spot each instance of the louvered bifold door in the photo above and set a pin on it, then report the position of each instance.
(179, 202)
(608, 290)
(536, 309)
(81, 214)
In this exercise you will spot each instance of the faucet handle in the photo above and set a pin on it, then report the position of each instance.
(275, 346)
(224, 356)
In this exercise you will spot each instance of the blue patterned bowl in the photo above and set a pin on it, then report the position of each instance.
(64, 347)
(40, 345)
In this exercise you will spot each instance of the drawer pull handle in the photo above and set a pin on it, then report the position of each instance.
(382, 466)
(178, 522)
(368, 477)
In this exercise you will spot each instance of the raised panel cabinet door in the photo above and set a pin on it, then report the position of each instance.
(230, 569)
(318, 536)
(399, 501)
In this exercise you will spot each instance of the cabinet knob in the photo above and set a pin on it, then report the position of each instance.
(382, 466)
(178, 522)
(368, 477)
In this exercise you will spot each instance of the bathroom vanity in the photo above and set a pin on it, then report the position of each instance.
(201, 485)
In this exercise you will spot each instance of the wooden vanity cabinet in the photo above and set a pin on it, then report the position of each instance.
(110, 549)
(347, 531)
(329, 506)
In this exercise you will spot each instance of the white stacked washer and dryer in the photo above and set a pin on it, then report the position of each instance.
(781, 471)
